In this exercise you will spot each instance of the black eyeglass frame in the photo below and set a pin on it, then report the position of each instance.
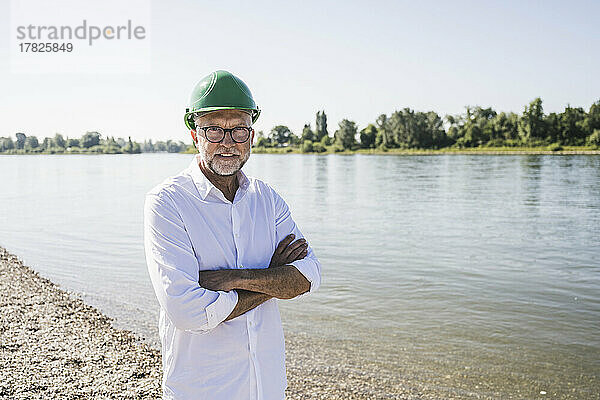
(248, 128)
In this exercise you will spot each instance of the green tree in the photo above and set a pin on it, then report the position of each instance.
(399, 132)
(319, 147)
(325, 141)
(175, 147)
(434, 135)
(46, 143)
(280, 135)
(295, 140)
(160, 146)
(6, 143)
(367, 137)
(592, 119)
(111, 146)
(148, 147)
(384, 131)
(571, 122)
(594, 138)
(477, 126)
(21, 137)
(321, 125)
(531, 124)
(128, 147)
(72, 142)
(379, 140)
(484, 118)
(59, 141)
(346, 134)
(504, 127)
(31, 143)
(473, 135)
(553, 128)
(307, 146)
(410, 129)
(263, 141)
(307, 134)
(90, 139)
(455, 123)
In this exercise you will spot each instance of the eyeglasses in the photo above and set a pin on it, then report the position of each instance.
(216, 134)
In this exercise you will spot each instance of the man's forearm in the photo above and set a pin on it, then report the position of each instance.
(247, 300)
(283, 282)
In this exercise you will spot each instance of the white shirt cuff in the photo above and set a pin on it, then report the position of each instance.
(218, 310)
(310, 269)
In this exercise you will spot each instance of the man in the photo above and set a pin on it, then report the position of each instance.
(220, 250)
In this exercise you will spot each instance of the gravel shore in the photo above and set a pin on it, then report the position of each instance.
(54, 346)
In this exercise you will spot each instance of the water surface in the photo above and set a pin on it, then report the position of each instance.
(471, 275)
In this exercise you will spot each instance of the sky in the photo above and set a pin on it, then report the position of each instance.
(355, 60)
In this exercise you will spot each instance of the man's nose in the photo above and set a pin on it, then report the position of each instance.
(228, 139)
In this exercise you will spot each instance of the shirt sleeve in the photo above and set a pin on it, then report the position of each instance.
(309, 266)
(173, 270)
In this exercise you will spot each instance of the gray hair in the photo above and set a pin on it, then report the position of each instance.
(197, 115)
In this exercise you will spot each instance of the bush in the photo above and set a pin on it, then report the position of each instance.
(318, 148)
(512, 142)
(263, 142)
(594, 138)
(307, 146)
(495, 143)
(326, 140)
(537, 142)
(96, 149)
(337, 147)
(55, 150)
(555, 147)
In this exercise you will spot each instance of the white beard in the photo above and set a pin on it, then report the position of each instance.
(222, 166)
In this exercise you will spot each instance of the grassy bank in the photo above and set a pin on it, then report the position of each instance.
(567, 150)
(450, 150)
(551, 149)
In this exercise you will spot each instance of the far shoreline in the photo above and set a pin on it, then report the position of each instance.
(566, 150)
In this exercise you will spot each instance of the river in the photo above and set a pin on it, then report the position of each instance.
(471, 275)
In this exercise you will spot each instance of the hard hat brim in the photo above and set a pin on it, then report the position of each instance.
(189, 115)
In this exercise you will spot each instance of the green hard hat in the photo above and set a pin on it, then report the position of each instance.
(221, 90)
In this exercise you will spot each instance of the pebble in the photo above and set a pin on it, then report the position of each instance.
(74, 352)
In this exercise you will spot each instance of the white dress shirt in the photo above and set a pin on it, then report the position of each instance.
(190, 226)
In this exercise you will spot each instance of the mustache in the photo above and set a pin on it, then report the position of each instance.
(224, 150)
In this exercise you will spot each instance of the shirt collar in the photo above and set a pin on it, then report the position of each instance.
(205, 186)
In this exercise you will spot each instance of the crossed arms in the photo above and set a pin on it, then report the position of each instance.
(198, 301)
(255, 286)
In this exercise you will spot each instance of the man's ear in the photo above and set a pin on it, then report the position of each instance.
(252, 138)
(193, 133)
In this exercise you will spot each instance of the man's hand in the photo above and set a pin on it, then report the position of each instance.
(221, 279)
(286, 253)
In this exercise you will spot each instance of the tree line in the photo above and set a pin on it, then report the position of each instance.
(476, 127)
(90, 142)
(404, 129)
